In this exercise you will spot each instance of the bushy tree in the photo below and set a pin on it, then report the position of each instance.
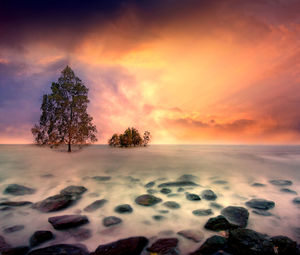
(146, 138)
(114, 140)
(130, 137)
(64, 118)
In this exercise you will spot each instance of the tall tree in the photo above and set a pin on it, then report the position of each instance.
(64, 118)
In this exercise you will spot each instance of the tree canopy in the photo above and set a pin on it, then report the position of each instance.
(130, 137)
(64, 118)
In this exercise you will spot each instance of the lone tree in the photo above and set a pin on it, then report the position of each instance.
(64, 118)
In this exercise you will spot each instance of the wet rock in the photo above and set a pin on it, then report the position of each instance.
(180, 189)
(216, 205)
(147, 200)
(3, 244)
(192, 197)
(125, 208)
(73, 190)
(158, 217)
(249, 242)
(95, 205)
(39, 237)
(296, 200)
(163, 211)
(164, 246)
(289, 191)
(171, 204)
(165, 191)
(54, 203)
(208, 195)
(173, 195)
(61, 249)
(18, 190)
(285, 245)
(187, 177)
(211, 246)
(128, 246)
(261, 204)
(219, 223)
(177, 184)
(151, 191)
(19, 250)
(236, 215)
(192, 234)
(17, 203)
(80, 234)
(149, 185)
(6, 208)
(67, 221)
(280, 182)
(262, 213)
(101, 178)
(202, 212)
(220, 182)
(14, 228)
(257, 184)
(111, 220)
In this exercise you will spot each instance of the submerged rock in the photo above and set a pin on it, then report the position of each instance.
(202, 212)
(296, 200)
(54, 203)
(39, 237)
(236, 215)
(257, 184)
(171, 204)
(158, 217)
(208, 195)
(280, 182)
(73, 190)
(289, 191)
(187, 177)
(149, 184)
(177, 184)
(101, 178)
(180, 189)
(164, 246)
(67, 221)
(261, 204)
(216, 205)
(61, 249)
(125, 208)
(165, 191)
(147, 200)
(95, 205)
(151, 191)
(192, 234)
(128, 246)
(285, 245)
(220, 182)
(14, 228)
(211, 246)
(262, 213)
(219, 223)
(111, 220)
(18, 190)
(192, 197)
(80, 234)
(17, 203)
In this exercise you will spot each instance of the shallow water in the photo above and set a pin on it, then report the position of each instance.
(130, 169)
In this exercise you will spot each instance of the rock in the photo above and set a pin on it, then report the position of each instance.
(208, 195)
(18, 190)
(192, 197)
(125, 208)
(54, 203)
(163, 211)
(165, 191)
(187, 178)
(236, 215)
(257, 184)
(147, 200)
(192, 234)
(211, 246)
(262, 213)
(128, 246)
(219, 223)
(289, 191)
(249, 242)
(173, 195)
(80, 234)
(7, 208)
(285, 245)
(202, 212)
(216, 205)
(151, 191)
(60, 249)
(164, 246)
(47, 175)
(158, 217)
(67, 221)
(180, 189)
(14, 228)
(12, 203)
(19, 250)
(261, 204)
(220, 182)
(149, 185)
(177, 184)
(3, 244)
(73, 190)
(171, 204)
(39, 237)
(95, 205)
(281, 182)
(296, 200)
(101, 178)
(111, 220)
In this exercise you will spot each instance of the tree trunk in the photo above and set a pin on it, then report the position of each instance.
(69, 147)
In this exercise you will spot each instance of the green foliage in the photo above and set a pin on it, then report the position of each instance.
(130, 137)
(64, 118)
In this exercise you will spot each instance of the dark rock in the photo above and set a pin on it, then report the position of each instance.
(14, 228)
(3, 244)
(101, 178)
(6, 208)
(12, 203)
(281, 182)
(173, 195)
(180, 189)
(158, 217)
(236, 215)
(289, 191)
(73, 190)
(67, 221)
(80, 234)
(192, 234)
(285, 245)
(60, 249)
(147, 200)
(95, 205)
(208, 195)
(151, 191)
(216, 205)
(296, 200)
(125, 208)
(261, 204)
(219, 223)
(257, 184)
(163, 211)
(171, 204)
(187, 177)
(164, 246)
(220, 182)
(211, 246)
(177, 184)
(262, 213)
(18, 190)
(165, 191)
(20, 250)
(111, 220)
(149, 185)
(202, 212)
(128, 246)
(54, 203)
(192, 197)
(249, 242)
(39, 237)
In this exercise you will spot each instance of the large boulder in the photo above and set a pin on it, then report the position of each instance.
(67, 221)
(236, 215)
(147, 200)
(211, 246)
(164, 246)
(18, 190)
(177, 184)
(39, 237)
(261, 204)
(128, 246)
(61, 249)
(219, 223)
(54, 203)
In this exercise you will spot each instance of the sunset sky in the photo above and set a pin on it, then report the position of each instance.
(189, 71)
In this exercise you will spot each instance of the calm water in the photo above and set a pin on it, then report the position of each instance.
(240, 166)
